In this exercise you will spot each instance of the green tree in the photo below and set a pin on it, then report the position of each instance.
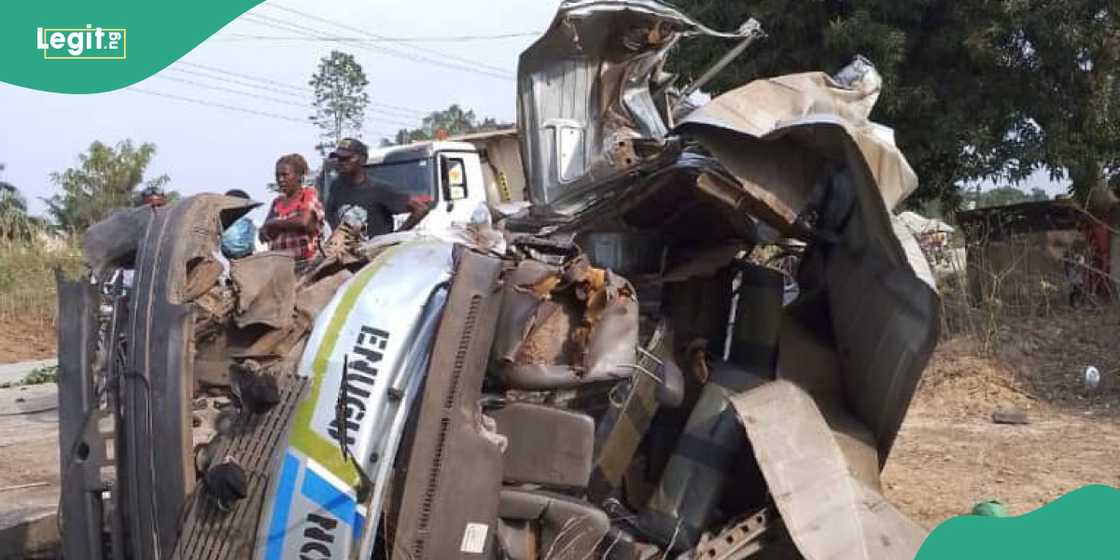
(15, 223)
(1002, 196)
(454, 120)
(106, 179)
(974, 90)
(1067, 55)
(340, 99)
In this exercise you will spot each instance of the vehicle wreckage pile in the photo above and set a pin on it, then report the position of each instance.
(603, 375)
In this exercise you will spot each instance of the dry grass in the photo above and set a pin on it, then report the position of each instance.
(27, 281)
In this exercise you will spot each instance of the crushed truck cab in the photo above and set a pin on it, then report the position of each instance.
(614, 371)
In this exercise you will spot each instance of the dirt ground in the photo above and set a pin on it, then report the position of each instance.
(23, 341)
(950, 455)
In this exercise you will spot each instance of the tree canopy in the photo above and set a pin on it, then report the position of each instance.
(15, 223)
(974, 90)
(1002, 196)
(1066, 56)
(454, 120)
(340, 99)
(105, 180)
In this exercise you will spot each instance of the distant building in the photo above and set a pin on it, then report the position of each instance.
(1033, 252)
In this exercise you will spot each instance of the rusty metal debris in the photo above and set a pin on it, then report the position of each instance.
(605, 374)
(566, 325)
(738, 541)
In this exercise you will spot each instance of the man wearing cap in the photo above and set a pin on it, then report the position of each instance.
(358, 198)
(152, 196)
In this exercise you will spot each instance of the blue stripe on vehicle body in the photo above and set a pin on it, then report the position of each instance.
(329, 497)
(281, 506)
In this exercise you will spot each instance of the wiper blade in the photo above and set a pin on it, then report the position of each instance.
(340, 416)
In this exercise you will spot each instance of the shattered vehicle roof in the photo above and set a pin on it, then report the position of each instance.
(592, 91)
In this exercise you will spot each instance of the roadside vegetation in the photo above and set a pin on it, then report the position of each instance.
(27, 277)
(34, 249)
(38, 376)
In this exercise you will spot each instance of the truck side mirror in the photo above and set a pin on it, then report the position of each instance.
(453, 175)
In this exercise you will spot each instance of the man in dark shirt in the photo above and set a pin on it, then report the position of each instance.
(359, 199)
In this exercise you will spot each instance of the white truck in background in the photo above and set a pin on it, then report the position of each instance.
(456, 176)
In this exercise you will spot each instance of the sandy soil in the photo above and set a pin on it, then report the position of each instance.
(950, 455)
(23, 341)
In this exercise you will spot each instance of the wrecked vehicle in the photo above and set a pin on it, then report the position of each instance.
(607, 374)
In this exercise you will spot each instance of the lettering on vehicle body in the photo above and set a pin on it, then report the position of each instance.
(361, 375)
(317, 538)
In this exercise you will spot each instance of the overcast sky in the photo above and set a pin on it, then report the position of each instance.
(204, 147)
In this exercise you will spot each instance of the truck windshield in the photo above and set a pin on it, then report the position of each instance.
(415, 178)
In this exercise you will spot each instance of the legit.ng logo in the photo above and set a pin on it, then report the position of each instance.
(88, 43)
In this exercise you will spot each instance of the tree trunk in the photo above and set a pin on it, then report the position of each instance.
(1086, 177)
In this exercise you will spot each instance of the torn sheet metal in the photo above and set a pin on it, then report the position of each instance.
(802, 146)
(779, 136)
(313, 298)
(382, 323)
(113, 242)
(829, 513)
(592, 96)
(201, 277)
(285, 343)
(885, 322)
(212, 311)
(691, 200)
(310, 299)
(207, 216)
(266, 289)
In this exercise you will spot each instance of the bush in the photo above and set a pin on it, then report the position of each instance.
(38, 376)
(27, 280)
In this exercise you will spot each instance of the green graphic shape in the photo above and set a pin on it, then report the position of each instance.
(1081, 524)
(137, 40)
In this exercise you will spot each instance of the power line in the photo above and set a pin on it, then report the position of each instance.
(215, 104)
(271, 85)
(275, 23)
(382, 37)
(433, 39)
(377, 117)
(243, 75)
(219, 105)
(225, 89)
(260, 86)
(303, 99)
